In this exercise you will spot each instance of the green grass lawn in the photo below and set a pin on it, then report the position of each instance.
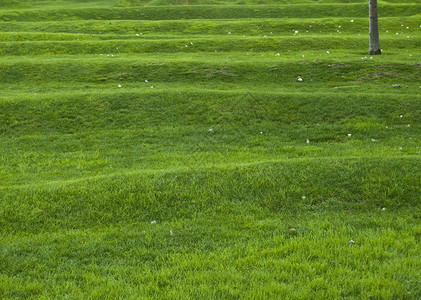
(167, 149)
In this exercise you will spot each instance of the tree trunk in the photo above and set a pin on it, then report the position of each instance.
(374, 46)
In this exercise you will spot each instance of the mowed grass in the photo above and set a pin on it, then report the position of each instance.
(167, 150)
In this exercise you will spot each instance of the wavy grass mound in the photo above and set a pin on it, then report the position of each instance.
(209, 149)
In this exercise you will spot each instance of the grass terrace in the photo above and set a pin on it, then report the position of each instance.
(209, 149)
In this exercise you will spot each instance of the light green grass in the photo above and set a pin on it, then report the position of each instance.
(229, 179)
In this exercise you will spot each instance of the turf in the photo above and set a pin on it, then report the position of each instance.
(167, 150)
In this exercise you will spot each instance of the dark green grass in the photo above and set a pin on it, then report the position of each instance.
(356, 10)
(254, 232)
(258, 188)
(179, 45)
(276, 26)
(63, 132)
(291, 255)
(316, 67)
(132, 166)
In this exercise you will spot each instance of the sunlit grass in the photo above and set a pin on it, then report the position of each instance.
(219, 149)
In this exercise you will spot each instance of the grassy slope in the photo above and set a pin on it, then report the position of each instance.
(248, 209)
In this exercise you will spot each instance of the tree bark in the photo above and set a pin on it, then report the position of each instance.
(374, 45)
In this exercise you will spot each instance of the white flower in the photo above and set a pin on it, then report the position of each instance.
(296, 31)
(171, 233)
(352, 21)
(384, 208)
(300, 79)
(153, 222)
(303, 197)
(229, 32)
(373, 140)
(327, 52)
(151, 87)
(308, 141)
(119, 85)
(146, 80)
(401, 116)
(210, 129)
(349, 134)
